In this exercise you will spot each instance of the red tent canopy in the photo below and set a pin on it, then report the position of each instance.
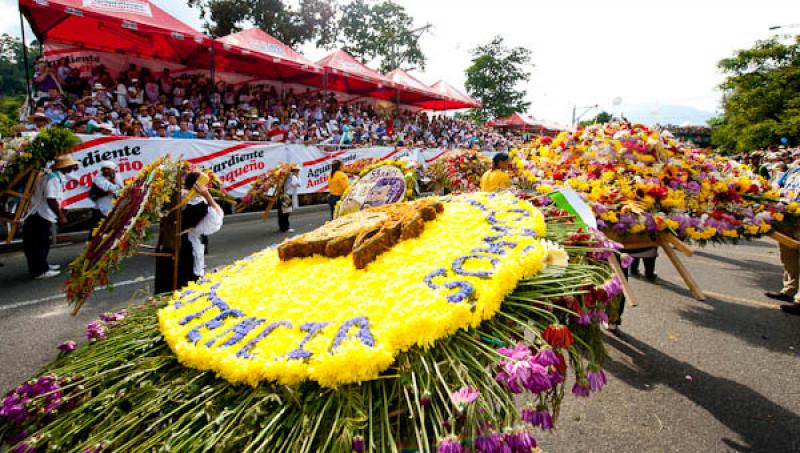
(515, 120)
(349, 75)
(450, 98)
(411, 90)
(131, 27)
(253, 51)
(518, 121)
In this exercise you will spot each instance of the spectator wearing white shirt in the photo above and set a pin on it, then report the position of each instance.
(42, 213)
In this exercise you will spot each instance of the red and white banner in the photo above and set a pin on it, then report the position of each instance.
(238, 164)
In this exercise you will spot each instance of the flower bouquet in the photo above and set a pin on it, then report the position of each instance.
(459, 171)
(641, 181)
(126, 226)
(268, 185)
(18, 156)
(427, 347)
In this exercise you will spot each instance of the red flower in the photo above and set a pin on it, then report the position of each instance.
(558, 336)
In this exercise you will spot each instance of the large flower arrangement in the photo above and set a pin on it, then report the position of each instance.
(409, 178)
(12, 150)
(126, 226)
(269, 184)
(639, 180)
(441, 373)
(20, 155)
(459, 170)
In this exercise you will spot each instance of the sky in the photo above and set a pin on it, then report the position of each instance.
(650, 55)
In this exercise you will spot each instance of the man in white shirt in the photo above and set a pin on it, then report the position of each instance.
(104, 188)
(43, 211)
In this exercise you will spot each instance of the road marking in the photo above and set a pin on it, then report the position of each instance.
(27, 303)
(751, 302)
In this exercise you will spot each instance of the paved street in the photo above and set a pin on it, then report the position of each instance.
(719, 375)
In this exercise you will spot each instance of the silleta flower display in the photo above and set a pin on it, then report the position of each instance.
(458, 171)
(640, 180)
(119, 233)
(450, 277)
(425, 347)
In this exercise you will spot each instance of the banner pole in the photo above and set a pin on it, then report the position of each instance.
(25, 56)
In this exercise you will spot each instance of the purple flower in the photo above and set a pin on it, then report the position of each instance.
(464, 396)
(358, 444)
(425, 399)
(597, 379)
(581, 389)
(599, 315)
(450, 444)
(521, 351)
(626, 260)
(537, 380)
(546, 357)
(520, 441)
(67, 346)
(584, 319)
(96, 330)
(491, 443)
(538, 417)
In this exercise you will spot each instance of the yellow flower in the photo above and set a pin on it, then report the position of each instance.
(636, 229)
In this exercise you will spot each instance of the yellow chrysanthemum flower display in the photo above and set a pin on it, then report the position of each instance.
(321, 319)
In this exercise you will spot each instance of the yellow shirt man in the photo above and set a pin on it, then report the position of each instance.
(495, 180)
(338, 184)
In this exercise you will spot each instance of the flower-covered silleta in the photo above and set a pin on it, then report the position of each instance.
(127, 225)
(458, 171)
(425, 348)
(640, 180)
(267, 185)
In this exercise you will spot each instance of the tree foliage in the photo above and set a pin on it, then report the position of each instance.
(494, 76)
(12, 80)
(761, 97)
(380, 31)
(601, 118)
(12, 65)
(292, 23)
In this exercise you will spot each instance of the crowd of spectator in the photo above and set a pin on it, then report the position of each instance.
(141, 103)
(774, 164)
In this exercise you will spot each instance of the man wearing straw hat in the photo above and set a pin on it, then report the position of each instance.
(43, 211)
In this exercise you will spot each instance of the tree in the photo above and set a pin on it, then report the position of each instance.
(381, 31)
(493, 78)
(293, 24)
(12, 80)
(12, 65)
(761, 97)
(601, 118)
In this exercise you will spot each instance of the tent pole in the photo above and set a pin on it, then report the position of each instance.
(325, 84)
(25, 56)
(213, 70)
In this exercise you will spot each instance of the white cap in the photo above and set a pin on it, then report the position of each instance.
(108, 164)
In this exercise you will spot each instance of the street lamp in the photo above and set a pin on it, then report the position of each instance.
(588, 108)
